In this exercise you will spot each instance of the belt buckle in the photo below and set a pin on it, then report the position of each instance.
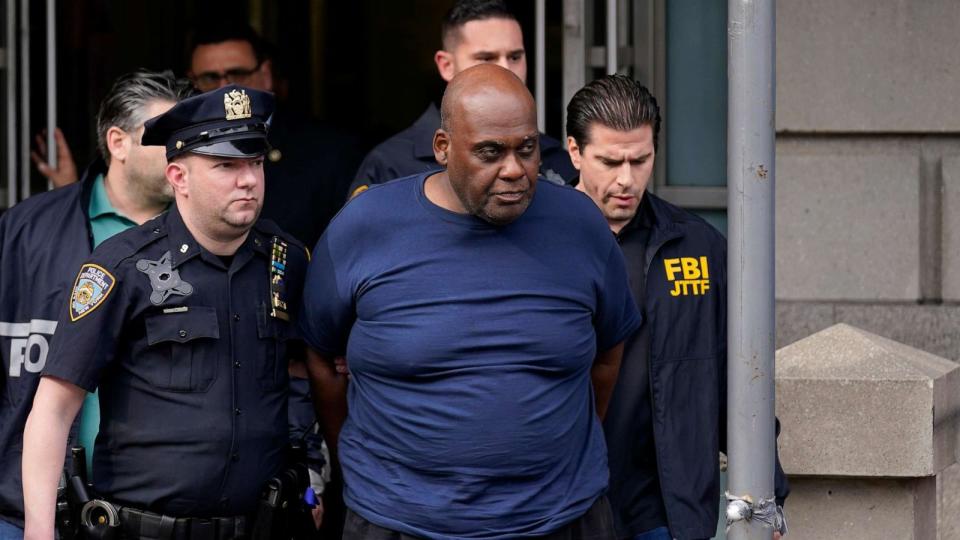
(203, 528)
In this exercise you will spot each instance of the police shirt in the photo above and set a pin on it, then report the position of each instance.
(190, 358)
(411, 152)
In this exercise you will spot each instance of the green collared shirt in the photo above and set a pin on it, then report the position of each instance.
(105, 220)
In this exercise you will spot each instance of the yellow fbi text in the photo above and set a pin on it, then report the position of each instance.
(694, 273)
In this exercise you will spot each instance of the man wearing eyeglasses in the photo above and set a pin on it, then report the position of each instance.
(310, 165)
(225, 57)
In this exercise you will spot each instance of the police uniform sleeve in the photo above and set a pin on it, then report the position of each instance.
(557, 160)
(371, 172)
(89, 326)
(617, 315)
(327, 311)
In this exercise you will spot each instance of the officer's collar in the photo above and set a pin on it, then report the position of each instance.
(423, 130)
(184, 247)
(258, 241)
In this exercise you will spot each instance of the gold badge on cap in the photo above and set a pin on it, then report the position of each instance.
(237, 105)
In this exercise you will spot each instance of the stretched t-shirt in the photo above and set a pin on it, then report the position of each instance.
(471, 410)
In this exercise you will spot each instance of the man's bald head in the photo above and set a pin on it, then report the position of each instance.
(489, 144)
(475, 89)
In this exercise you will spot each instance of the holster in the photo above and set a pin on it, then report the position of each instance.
(72, 495)
(282, 512)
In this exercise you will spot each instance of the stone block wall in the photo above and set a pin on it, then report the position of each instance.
(868, 170)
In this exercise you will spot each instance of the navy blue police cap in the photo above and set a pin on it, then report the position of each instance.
(227, 122)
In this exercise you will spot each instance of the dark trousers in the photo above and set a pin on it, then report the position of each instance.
(596, 524)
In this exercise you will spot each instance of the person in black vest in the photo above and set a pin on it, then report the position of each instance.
(186, 324)
(46, 237)
(667, 419)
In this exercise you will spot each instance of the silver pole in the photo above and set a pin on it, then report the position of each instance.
(750, 173)
(24, 168)
(611, 37)
(11, 80)
(541, 60)
(577, 32)
(51, 85)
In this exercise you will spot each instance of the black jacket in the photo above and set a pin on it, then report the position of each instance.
(685, 307)
(43, 240)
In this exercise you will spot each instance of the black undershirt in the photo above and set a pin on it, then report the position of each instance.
(634, 481)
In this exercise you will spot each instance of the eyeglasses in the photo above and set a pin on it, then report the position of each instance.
(209, 80)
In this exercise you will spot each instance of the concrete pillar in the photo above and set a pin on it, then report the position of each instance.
(869, 438)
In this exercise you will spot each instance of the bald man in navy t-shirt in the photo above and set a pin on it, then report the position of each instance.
(482, 316)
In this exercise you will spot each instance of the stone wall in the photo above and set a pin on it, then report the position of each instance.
(869, 438)
(868, 170)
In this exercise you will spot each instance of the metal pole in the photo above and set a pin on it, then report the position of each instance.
(24, 169)
(51, 85)
(577, 33)
(611, 37)
(541, 63)
(750, 172)
(10, 71)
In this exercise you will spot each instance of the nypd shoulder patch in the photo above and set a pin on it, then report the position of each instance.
(91, 288)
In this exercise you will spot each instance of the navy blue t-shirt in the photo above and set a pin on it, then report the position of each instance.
(471, 410)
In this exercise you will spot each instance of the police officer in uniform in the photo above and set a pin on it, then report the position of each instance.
(184, 322)
(474, 32)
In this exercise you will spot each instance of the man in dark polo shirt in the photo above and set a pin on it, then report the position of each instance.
(481, 360)
(667, 419)
(474, 32)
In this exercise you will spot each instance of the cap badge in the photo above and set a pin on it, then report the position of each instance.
(237, 105)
